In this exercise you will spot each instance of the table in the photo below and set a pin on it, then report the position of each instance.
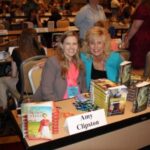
(40, 31)
(119, 128)
(45, 32)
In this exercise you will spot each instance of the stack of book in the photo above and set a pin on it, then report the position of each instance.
(38, 120)
(109, 96)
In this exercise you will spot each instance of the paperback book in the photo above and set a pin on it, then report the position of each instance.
(37, 120)
(125, 73)
(141, 97)
(117, 100)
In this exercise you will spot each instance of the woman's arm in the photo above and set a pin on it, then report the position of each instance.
(48, 80)
(133, 30)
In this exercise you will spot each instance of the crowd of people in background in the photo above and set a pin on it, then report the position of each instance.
(71, 71)
(81, 57)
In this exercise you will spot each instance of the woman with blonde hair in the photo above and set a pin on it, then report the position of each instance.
(99, 60)
(63, 74)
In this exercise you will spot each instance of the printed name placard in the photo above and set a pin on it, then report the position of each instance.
(86, 121)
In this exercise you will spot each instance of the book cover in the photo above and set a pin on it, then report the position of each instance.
(125, 72)
(117, 100)
(37, 120)
(142, 95)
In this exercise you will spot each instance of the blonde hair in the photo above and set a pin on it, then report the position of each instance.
(97, 31)
(64, 62)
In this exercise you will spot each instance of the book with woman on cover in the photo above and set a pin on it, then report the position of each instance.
(37, 120)
(142, 95)
(125, 72)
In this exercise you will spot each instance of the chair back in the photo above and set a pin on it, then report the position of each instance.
(62, 23)
(24, 70)
(50, 24)
(34, 76)
(147, 66)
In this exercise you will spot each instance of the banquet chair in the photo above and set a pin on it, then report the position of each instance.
(34, 76)
(26, 89)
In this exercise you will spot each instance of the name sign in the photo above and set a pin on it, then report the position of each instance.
(86, 121)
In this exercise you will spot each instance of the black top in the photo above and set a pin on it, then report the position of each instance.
(97, 74)
(55, 17)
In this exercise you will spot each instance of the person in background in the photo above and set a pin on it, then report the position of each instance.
(28, 47)
(138, 38)
(30, 5)
(34, 18)
(63, 75)
(115, 7)
(55, 15)
(127, 11)
(88, 16)
(67, 7)
(99, 60)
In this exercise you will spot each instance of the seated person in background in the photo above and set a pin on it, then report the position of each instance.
(34, 18)
(67, 6)
(115, 7)
(63, 75)
(55, 15)
(127, 11)
(28, 47)
(97, 57)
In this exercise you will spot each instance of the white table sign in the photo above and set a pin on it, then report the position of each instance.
(86, 121)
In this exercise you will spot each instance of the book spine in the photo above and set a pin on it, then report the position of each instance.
(55, 121)
(24, 119)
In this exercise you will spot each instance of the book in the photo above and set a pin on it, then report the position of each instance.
(135, 79)
(117, 100)
(125, 72)
(142, 96)
(109, 96)
(37, 120)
